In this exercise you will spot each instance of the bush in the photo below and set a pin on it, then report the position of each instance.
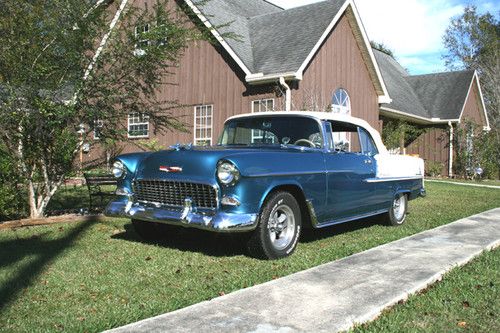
(433, 168)
(13, 203)
(488, 146)
(475, 148)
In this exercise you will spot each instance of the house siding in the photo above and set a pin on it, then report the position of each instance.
(433, 145)
(473, 109)
(338, 64)
(207, 75)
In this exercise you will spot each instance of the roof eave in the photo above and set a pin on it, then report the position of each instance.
(261, 78)
(385, 111)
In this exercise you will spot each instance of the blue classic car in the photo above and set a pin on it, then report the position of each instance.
(270, 175)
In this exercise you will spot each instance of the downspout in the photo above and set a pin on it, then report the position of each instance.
(450, 163)
(288, 94)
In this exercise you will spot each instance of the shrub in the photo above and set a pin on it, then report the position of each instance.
(433, 168)
(12, 194)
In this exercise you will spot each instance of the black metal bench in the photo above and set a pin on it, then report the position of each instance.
(94, 183)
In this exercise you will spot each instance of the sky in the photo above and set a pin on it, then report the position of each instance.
(413, 29)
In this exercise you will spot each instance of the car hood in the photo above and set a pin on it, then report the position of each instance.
(198, 163)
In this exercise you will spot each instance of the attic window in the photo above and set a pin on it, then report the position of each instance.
(142, 41)
(341, 103)
(140, 31)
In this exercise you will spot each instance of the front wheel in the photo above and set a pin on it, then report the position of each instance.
(397, 213)
(279, 227)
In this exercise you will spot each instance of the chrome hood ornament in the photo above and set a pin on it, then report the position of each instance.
(170, 169)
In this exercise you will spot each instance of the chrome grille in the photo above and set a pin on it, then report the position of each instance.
(173, 193)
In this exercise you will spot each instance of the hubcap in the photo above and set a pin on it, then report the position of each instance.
(281, 227)
(398, 208)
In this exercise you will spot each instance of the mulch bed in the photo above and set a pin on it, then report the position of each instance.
(73, 218)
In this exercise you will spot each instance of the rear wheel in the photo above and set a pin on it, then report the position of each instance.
(152, 230)
(397, 213)
(279, 227)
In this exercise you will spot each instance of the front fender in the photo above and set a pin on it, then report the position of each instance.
(253, 192)
(132, 163)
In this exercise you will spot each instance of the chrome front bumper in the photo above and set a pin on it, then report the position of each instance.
(187, 217)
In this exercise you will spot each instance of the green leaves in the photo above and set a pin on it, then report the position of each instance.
(67, 63)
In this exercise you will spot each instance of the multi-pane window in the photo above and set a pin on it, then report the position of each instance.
(261, 105)
(203, 122)
(98, 124)
(341, 103)
(140, 32)
(138, 125)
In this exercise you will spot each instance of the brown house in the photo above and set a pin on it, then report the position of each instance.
(314, 57)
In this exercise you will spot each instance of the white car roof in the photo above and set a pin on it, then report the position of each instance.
(323, 116)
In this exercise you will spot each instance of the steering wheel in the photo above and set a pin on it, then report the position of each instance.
(310, 143)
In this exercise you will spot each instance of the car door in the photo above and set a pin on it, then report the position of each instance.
(347, 170)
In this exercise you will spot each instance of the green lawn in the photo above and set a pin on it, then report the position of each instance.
(91, 276)
(467, 300)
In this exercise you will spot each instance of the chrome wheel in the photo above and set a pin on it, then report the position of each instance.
(399, 208)
(278, 231)
(281, 227)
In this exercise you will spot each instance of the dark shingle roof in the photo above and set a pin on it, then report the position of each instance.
(282, 41)
(271, 40)
(233, 17)
(403, 97)
(440, 95)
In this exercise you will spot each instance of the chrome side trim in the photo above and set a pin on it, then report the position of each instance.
(348, 219)
(391, 179)
(302, 173)
(284, 174)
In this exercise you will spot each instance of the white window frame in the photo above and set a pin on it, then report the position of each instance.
(145, 121)
(261, 103)
(139, 51)
(98, 123)
(257, 134)
(205, 129)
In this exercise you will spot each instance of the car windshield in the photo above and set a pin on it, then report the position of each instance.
(272, 130)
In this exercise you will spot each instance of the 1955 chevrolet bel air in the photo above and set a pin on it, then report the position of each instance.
(271, 175)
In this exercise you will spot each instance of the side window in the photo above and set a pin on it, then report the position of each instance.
(345, 137)
(367, 144)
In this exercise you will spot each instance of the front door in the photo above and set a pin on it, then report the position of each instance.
(348, 167)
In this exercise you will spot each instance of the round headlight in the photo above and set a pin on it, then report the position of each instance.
(118, 169)
(227, 173)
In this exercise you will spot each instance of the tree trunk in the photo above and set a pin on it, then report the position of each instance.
(35, 212)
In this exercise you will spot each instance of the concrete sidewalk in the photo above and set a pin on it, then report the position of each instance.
(463, 184)
(335, 296)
